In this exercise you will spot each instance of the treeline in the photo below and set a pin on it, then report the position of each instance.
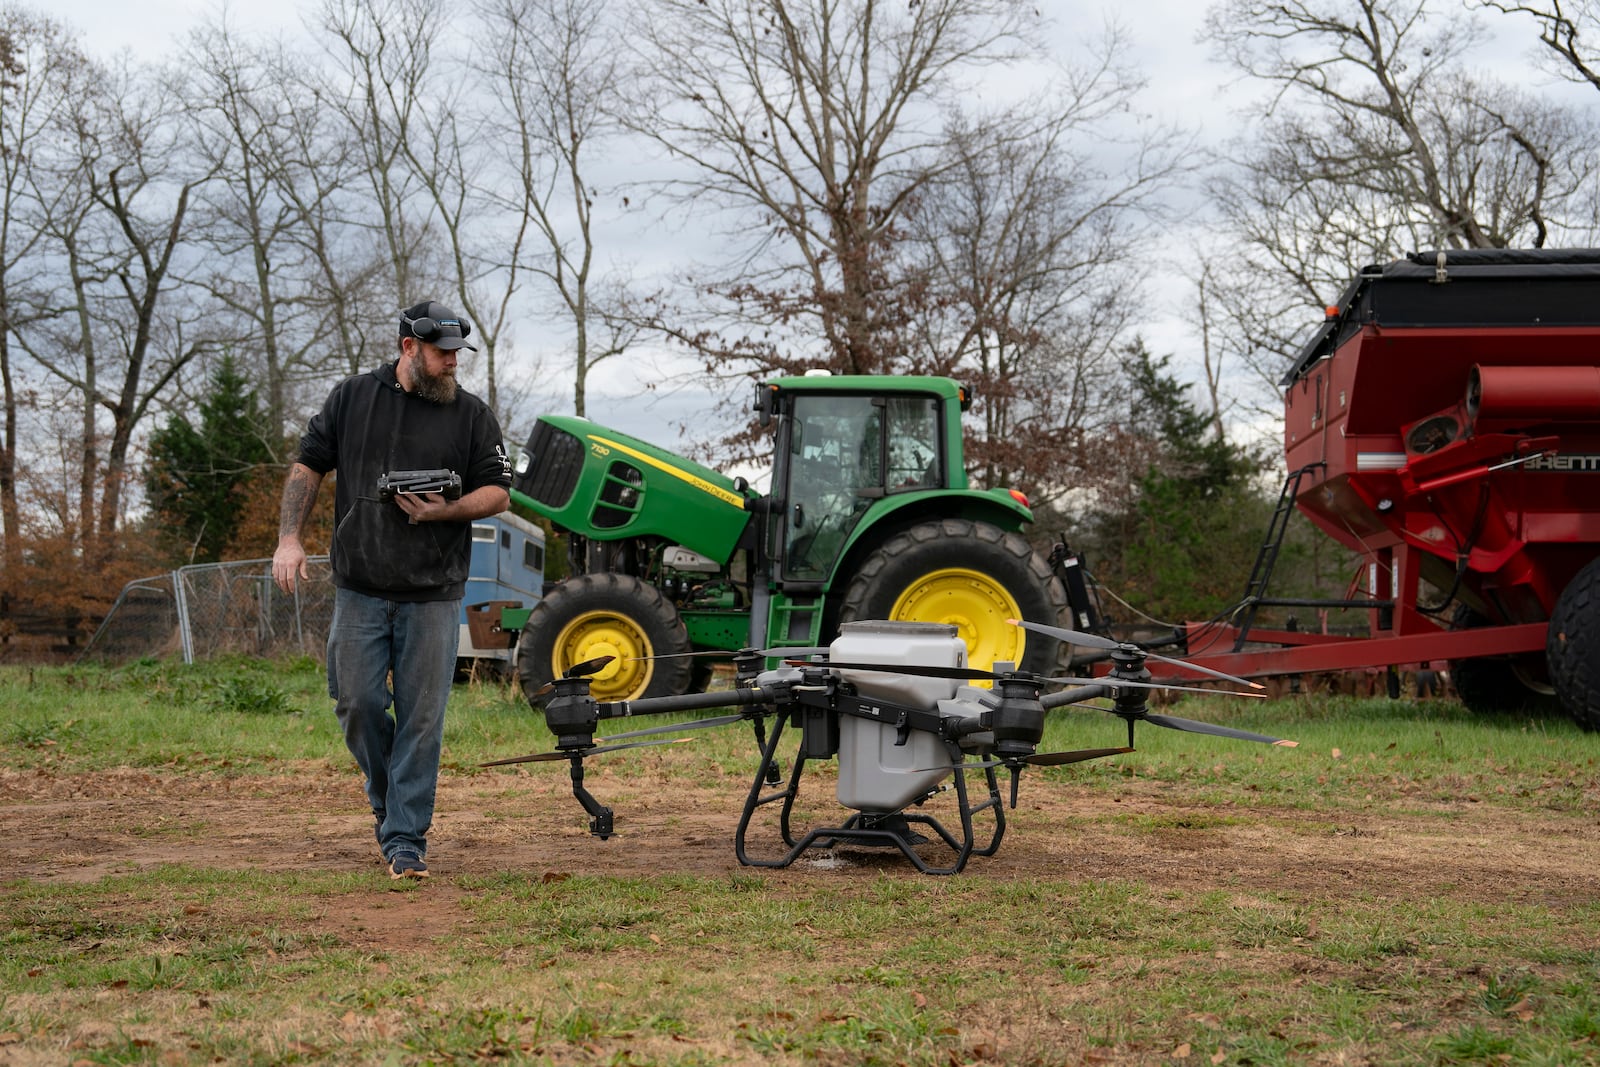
(193, 250)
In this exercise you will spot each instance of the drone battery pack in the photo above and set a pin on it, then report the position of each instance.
(875, 773)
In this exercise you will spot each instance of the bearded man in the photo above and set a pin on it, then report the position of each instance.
(399, 560)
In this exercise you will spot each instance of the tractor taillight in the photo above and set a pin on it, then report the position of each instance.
(1019, 496)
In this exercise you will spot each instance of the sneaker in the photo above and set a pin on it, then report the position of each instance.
(407, 865)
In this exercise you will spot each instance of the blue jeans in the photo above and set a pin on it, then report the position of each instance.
(371, 642)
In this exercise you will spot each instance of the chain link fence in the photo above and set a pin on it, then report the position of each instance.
(214, 608)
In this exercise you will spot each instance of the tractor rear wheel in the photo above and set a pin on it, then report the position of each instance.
(971, 575)
(1573, 647)
(617, 615)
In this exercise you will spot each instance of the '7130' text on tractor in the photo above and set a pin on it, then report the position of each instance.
(869, 517)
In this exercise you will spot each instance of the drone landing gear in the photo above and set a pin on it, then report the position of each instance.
(870, 829)
(600, 816)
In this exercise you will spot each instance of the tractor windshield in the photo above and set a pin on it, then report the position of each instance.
(844, 453)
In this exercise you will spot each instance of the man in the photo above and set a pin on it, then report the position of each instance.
(399, 564)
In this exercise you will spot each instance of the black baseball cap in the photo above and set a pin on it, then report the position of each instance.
(435, 324)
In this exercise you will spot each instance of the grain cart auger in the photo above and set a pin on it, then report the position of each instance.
(869, 516)
(1444, 422)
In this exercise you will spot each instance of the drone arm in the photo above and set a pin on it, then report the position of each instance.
(1076, 695)
(727, 698)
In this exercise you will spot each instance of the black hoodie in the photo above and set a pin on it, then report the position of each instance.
(370, 426)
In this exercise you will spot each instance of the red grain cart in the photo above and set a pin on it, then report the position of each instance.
(1445, 423)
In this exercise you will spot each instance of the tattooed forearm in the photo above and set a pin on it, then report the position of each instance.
(299, 494)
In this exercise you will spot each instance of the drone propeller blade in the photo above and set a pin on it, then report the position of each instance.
(1056, 759)
(977, 674)
(532, 757)
(588, 666)
(919, 670)
(1111, 680)
(551, 757)
(1072, 637)
(1172, 722)
(1077, 637)
(770, 653)
(692, 724)
(1041, 759)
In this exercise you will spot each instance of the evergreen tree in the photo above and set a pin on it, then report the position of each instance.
(199, 475)
(1180, 541)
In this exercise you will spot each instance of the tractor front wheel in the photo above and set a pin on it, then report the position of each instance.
(973, 576)
(616, 615)
(1573, 647)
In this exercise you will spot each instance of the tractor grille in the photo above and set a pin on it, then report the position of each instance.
(555, 459)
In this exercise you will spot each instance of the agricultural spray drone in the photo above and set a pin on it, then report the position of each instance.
(886, 699)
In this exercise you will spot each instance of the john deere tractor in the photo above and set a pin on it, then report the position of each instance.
(869, 517)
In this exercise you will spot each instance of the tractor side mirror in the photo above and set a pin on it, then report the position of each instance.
(764, 395)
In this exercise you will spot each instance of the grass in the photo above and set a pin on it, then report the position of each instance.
(188, 964)
(696, 970)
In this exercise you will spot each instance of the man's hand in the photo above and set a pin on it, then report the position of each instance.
(299, 493)
(433, 507)
(289, 564)
(423, 507)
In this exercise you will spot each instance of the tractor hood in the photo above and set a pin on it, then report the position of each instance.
(607, 485)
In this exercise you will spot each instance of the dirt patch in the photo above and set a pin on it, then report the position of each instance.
(68, 828)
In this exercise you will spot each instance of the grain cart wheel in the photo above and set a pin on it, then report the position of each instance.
(1573, 647)
(616, 615)
(1491, 685)
(973, 576)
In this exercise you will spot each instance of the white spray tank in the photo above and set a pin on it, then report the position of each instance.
(875, 773)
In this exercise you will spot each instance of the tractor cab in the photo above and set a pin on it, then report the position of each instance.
(837, 455)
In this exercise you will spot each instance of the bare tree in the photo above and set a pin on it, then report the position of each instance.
(1027, 243)
(1373, 139)
(381, 52)
(814, 126)
(556, 73)
(1569, 29)
(243, 106)
(40, 65)
(131, 332)
(351, 296)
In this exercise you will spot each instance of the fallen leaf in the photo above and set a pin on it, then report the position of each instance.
(555, 876)
(655, 939)
(1182, 1051)
(1336, 754)
(918, 1000)
(1218, 1056)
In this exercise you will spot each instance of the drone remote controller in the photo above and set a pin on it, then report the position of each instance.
(445, 482)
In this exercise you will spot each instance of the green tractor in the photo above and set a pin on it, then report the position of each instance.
(869, 517)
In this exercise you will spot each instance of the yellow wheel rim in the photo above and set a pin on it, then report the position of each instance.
(602, 633)
(975, 604)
